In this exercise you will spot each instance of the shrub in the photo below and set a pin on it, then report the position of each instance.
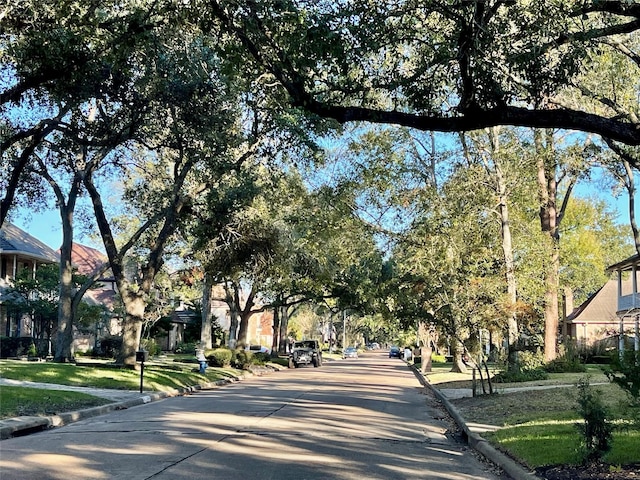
(151, 346)
(241, 358)
(625, 372)
(528, 360)
(514, 376)
(15, 346)
(110, 346)
(219, 357)
(435, 358)
(596, 431)
(188, 347)
(565, 364)
(260, 358)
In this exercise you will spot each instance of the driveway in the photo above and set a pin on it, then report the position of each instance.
(350, 419)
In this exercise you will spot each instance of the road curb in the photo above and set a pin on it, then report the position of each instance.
(512, 468)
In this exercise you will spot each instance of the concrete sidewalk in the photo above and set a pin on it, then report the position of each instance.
(121, 399)
(455, 393)
(109, 394)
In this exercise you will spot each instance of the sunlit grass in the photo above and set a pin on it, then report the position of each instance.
(19, 401)
(156, 378)
(540, 444)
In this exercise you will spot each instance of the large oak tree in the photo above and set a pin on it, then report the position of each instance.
(438, 65)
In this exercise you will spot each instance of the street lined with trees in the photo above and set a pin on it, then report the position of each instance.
(287, 149)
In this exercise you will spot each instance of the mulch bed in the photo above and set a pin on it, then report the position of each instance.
(595, 471)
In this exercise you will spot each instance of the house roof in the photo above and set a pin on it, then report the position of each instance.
(101, 297)
(599, 307)
(88, 260)
(625, 264)
(14, 241)
(184, 316)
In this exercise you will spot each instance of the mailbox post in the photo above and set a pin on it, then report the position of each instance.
(142, 356)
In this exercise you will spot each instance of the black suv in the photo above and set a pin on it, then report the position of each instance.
(305, 352)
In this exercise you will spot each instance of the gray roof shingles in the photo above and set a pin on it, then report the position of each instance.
(16, 241)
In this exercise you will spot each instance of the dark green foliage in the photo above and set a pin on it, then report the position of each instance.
(598, 352)
(241, 358)
(192, 332)
(219, 357)
(520, 376)
(565, 364)
(597, 431)
(529, 360)
(16, 346)
(260, 358)
(109, 346)
(150, 346)
(625, 372)
(185, 347)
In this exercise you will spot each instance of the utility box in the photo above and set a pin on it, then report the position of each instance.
(142, 356)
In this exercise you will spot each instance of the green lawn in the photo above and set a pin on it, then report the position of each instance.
(538, 427)
(21, 401)
(158, 376)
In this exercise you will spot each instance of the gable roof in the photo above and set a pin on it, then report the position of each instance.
(14, 241)
(88, 260)
(599, 307)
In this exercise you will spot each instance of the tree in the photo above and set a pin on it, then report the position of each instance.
(591, 241)
(98, 93)
(435, 65)
(37, 297)
(502, 166)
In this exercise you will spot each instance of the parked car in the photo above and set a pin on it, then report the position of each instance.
(350, 352)
(395, 352)
(258, 348)
(305, 352)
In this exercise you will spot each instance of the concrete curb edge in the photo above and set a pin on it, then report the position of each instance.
(514, 469)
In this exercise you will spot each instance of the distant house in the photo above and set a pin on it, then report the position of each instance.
(596, 318)
(88, 261)
(616, 305)
(628, 307)
(19, 251)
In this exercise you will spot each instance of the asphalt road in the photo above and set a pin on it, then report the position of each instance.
(349, 419)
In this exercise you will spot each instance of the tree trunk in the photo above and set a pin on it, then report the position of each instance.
(231, 299)
(551, 313)
(284, 327)
(631, 190)
(456, 351)
(547, 191)
(131, 329)
(245, 316)
(275, 344)
(205, 329)
(64, 339)
(424, 340)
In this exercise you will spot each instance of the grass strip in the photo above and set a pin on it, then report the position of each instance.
(24, 401)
